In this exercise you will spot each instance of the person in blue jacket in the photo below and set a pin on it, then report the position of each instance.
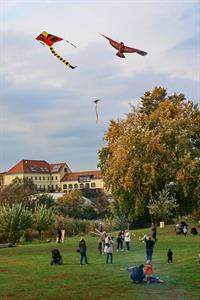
(149, 247)
(137, 274)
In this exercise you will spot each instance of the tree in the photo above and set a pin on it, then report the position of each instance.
(14, 220)
(71, 204)
(44, 199)
(43, 218)
(156, 143)
(19, 191)
(164, 207)
(102, 205)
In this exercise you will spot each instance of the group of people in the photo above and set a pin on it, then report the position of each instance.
(144, 273)
(181, 228)
(60, 235)
(106, 242)
(123, 236)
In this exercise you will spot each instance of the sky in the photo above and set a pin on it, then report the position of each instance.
(47, 110)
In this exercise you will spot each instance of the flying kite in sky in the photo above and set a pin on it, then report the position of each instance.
(49, 40)
(123, 48)
(96, 109)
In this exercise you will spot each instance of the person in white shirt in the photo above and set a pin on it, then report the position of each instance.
(109, 250)
(127, 239)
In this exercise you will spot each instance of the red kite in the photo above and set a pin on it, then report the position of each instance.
(123, 49)
(49, 40)
(96, 110)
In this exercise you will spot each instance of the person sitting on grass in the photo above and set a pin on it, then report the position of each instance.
(148, 271)
(137, 274)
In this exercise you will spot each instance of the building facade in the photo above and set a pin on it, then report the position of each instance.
(52, 177)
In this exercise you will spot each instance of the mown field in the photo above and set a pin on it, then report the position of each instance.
(26, 273)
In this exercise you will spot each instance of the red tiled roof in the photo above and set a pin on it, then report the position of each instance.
(54, 168)
(30, 166)
(75, 175)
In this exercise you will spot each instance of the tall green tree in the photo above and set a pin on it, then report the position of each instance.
(14, 220)
(156, 144)
(43, 218)
(71, 204)
(19, 191)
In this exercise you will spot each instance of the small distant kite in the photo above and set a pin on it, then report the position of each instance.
(49, 40)
(96, 109)
(123, 49)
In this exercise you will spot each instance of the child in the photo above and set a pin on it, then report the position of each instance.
(148, 271)
(170, 256)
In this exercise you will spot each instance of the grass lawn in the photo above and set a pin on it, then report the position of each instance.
(26, 273)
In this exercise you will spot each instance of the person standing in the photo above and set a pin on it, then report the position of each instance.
(109, 250)
(127, 239)
(119, 242)
(63, 235)
(149, 247)
(170, 256)
(59, 234)
(154, 231)
(83, 248)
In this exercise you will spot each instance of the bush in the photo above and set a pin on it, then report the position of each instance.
(74, 226)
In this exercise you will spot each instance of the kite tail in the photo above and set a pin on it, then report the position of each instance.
(60, 58)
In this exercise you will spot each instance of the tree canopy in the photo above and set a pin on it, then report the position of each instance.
(156, 145)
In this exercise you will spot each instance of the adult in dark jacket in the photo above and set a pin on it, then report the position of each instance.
(137, 274)
(149, 247)
(83, 248)
(59, 234)
(154, 231)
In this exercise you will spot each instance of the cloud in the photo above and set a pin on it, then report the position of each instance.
(46, 109)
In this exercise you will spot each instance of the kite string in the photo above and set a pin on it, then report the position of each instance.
(70, 43)
(97, 116)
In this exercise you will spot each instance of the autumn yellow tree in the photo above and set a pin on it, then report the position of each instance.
(156, 145)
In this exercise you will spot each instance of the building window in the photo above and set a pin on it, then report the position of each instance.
(70, 186)
(87, 186)
(39, 177)
(35, 177)
(51, 177)
(44, 187)
(75, 185)
(64, 186)
(65, 170)
(31, 177)
(48, 178)
(93, 184)
(43, 178)
(81, 186)
(56, 177)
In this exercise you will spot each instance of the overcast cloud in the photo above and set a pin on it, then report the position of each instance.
(46, 109)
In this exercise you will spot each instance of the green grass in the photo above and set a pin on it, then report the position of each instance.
(26, 273)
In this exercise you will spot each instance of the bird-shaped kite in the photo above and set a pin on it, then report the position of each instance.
(49, 40)
(96, 109)
(123, 49)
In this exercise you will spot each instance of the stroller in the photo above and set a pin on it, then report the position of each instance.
(56, 257)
